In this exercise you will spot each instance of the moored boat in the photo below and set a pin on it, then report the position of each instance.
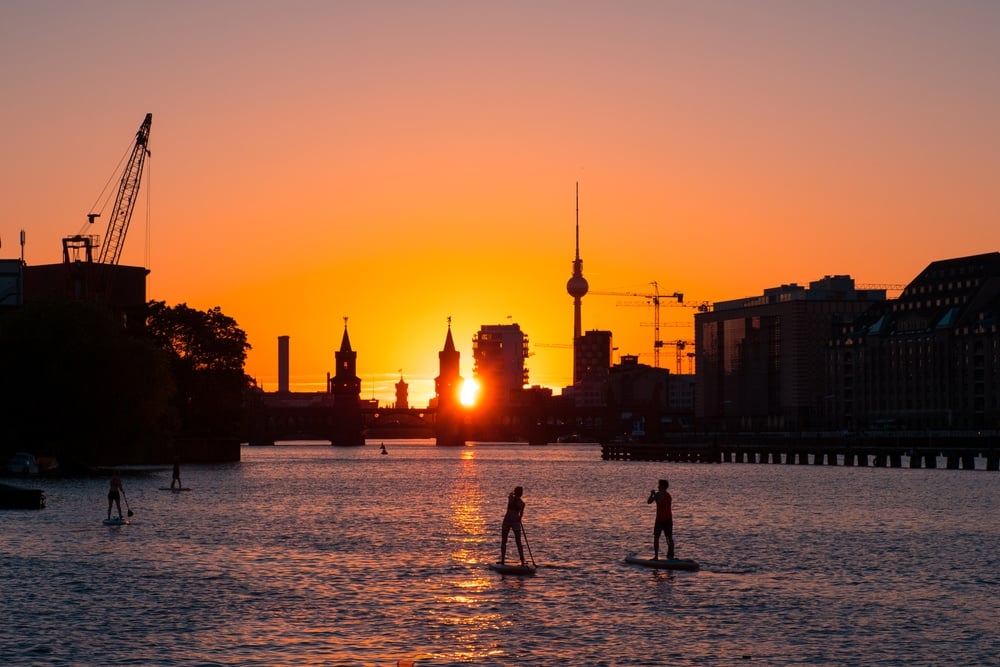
(16, 498)
(21, 463)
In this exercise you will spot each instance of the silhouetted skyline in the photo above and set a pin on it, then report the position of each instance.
(401, 164)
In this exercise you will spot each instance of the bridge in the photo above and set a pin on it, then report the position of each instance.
(314, 420)
(397, 423)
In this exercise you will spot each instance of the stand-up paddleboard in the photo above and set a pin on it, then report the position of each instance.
(175, 490)
(116, 521)
(663, 563)
(503, 568)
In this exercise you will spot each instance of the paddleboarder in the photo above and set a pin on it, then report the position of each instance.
(115, 494)
(177, 476)
(512, 521)
(664, 519)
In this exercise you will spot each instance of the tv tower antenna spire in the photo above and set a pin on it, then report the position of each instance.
(577, 287)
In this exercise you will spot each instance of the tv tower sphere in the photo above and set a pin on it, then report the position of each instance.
(577, 286)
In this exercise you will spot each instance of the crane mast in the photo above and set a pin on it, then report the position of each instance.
(128, 189)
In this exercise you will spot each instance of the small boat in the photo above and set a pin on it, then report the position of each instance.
(16, 498)
(21, 463)
(47, 464)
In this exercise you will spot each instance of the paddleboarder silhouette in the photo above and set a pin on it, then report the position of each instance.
(664, 519)
(177, 475)
(512, 521)
(114, 494)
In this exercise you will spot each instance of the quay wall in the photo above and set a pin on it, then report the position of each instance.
(956, 452)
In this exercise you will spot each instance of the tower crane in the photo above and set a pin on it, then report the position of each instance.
(653, 298)
(680, 345)
(121, 214)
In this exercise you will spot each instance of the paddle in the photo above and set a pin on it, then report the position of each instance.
(524, 533)
(125, 498)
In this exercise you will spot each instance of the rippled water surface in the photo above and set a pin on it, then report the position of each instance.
(315, 555)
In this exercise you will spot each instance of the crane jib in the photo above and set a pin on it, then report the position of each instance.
(121, 213)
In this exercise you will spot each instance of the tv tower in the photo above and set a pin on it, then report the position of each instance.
(577, 287)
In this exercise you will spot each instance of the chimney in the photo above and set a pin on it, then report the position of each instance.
(283, 364)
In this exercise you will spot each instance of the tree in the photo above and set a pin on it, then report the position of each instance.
(207, 352)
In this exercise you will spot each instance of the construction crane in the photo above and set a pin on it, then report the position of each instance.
(121, 214)
(653, 298)
(680, 346)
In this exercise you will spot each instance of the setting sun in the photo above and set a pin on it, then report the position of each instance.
(469, 393)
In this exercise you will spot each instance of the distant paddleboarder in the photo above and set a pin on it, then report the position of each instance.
(177, 476)
(512, 521)
(383, 448)
(664, 519)
(115, 494)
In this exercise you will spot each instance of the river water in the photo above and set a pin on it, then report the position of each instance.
(315, 555)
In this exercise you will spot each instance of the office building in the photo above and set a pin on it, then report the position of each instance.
(929, 360)
(499, 353)
(592, 359)
(761, 359)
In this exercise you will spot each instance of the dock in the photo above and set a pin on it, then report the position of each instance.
(959, 452)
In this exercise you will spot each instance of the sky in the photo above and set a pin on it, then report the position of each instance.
(409, 164)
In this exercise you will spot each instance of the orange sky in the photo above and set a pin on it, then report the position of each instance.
(400, 163)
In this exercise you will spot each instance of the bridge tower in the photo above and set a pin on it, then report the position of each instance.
(402, 394)
(345, 386)
(449, 423)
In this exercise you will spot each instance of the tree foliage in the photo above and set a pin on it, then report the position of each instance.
(207, 352)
